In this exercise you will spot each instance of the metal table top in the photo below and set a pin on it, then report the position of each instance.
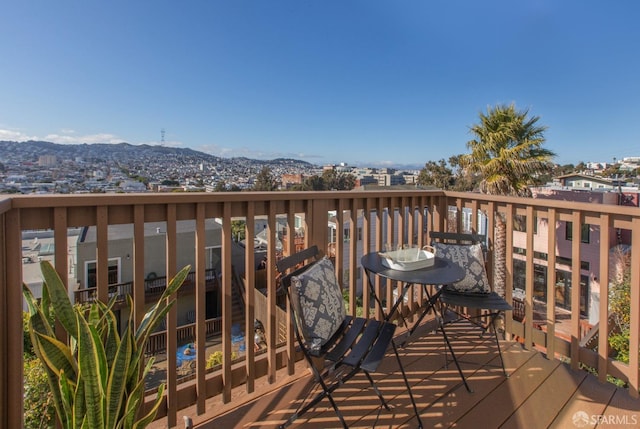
(442, 271)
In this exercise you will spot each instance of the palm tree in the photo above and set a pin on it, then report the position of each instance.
(508, 157)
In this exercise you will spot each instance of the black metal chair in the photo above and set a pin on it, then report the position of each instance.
(474, 291)
(346, 345)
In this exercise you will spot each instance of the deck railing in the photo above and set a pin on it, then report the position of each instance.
(185, 333)
(153, 288)
(365, 219)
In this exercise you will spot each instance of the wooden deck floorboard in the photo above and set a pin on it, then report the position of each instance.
(538, 393)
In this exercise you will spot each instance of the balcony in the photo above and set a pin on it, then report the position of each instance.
(153, 288)
(547, 338)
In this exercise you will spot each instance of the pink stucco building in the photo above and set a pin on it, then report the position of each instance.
(589, 250)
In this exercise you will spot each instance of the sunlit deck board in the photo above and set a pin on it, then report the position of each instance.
(622, 408)
(538, 411)
(591, 398)
(538, 392)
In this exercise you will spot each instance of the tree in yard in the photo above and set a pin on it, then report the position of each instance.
(334, 180)
(265, 181)
(221, 186)
(238, 229)
(313, 183)
(464, 180)
(436, 174)
(507, 155)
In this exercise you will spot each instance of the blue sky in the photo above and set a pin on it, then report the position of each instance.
(362, 82)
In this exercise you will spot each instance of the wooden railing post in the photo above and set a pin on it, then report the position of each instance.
(11, 392)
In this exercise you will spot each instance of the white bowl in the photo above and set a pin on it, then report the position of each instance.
(409, 259)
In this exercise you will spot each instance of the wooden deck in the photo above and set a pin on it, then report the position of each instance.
(538, 393)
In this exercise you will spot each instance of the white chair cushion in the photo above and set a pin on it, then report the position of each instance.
(471, 259)
(317, 300)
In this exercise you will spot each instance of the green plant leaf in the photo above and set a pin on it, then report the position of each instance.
(103, 369)
(149, 321)
(45, 303)
(79, 408)
(135, 400)
(142, 335)
(67, 395)
(176, 282)
(89, 363)
(56, 356)
(151, 415)
(112, 341)
(94, 314)
(117, 380)
(59, 298)
(38, 322)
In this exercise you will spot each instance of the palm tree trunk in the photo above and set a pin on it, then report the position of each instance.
(500, 255)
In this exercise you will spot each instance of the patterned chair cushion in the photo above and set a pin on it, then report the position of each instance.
(471, 259)
(317, 300)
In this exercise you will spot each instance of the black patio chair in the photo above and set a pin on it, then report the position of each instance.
(346, 345)
(474, 290)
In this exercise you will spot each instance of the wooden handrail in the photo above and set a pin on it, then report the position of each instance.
(407, 216)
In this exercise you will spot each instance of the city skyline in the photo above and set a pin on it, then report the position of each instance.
(366, 83)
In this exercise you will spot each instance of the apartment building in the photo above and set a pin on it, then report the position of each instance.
(590, 280)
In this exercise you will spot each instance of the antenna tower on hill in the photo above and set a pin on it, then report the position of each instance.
(162, 137)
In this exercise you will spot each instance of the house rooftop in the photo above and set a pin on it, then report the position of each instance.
(124, 231)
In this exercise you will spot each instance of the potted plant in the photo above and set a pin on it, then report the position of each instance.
(96, 377)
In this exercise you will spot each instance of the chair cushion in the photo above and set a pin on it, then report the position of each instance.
(471, 259)
(317, 300)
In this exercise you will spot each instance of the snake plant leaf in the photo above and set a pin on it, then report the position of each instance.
(102, 357)
(79, 407)
(59, 298)
(136, 398)
(117, 380)
(174, 285)
(134, 401)
(67, 393)
(89, 362)
(38, 321)
(45, 303)
(56, 356)
(152, 319)
(176, 282)
(112, 339)
(148, 418)
(94, 314)
(139, 350)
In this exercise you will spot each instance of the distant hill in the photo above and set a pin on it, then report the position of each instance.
(127, 152)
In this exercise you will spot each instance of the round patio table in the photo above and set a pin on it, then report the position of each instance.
(442, 272)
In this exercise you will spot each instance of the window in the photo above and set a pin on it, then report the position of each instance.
(540, 255)
(584, 232)
(520, 223)
(563, 292)
(539, 278)
(213, 258)
(113, 276)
